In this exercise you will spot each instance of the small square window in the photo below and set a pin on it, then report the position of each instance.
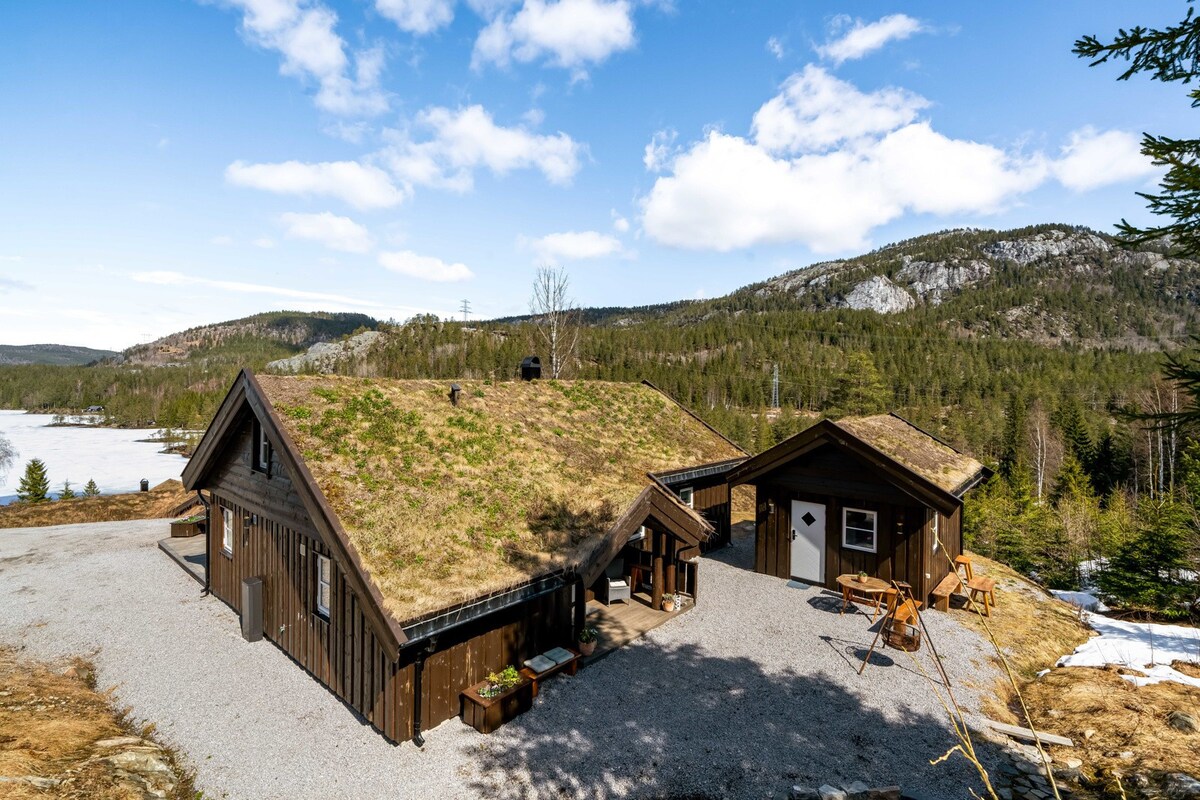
(324, 576)
(686, 496)
(227, 530)
(859, 529)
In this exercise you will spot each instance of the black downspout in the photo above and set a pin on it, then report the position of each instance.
(207, 540)
(418, 670)
(580, 608)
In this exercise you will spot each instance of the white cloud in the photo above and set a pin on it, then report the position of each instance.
(426, 268)
(815, 110)
(303, 33)
(660, 150)
(265, 242)
(12, 284)
(569, 33)
(417, 16)
(620, 224)
(1092, 159)
(827, 164)
(775, 47)
(336, 233)
(572, 246)
(863, 39)
(463, 140)
(360, 185)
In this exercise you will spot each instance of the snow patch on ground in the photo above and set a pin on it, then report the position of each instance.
(1146, 647)
(1085, 600)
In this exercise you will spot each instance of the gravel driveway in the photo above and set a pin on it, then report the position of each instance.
(753, 690)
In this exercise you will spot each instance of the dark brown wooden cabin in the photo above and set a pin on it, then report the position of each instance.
(873, 494)
(287, 471)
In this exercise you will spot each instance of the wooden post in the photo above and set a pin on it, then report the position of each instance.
(580, 607)
(671, 556)
(656, 580)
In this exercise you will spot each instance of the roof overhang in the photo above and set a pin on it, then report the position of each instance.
(682, 477)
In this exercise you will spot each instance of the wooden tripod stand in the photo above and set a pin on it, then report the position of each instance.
(904, 610)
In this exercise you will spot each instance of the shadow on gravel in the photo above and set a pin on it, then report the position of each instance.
(677, 722)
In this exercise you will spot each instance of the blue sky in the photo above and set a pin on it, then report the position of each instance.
(167, 164)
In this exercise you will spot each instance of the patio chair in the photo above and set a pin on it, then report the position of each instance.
(615, 585)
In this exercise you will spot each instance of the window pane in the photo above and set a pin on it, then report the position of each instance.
(323, 599)
(860, 519)
(860, 538)
(324, 568)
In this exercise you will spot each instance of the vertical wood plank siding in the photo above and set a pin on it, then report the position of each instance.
(279, 545)
(838, 481)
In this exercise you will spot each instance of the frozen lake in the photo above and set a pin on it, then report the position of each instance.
(110, 456)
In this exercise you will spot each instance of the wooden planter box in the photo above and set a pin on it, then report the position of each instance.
(486, 714)
(181, 530)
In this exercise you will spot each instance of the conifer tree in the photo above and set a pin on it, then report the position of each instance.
(1169, 55)
(860, 388)
(1152, 569)
(90, 489)
(34, 486)
(66, 493)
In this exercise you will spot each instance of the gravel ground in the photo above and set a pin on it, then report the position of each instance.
(752, 691)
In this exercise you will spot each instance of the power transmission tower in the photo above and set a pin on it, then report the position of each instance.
(466, 309)
(775, 388)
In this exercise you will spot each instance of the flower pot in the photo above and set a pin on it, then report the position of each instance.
(668, 605)
(587, 648)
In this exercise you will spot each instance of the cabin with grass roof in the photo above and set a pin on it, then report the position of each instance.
(863, 494)
(402, 539)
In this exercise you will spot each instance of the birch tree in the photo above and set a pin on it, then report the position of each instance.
(556, 317)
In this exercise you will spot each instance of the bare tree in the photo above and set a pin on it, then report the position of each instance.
(556, 317)
(1047, 447)
(8, 454)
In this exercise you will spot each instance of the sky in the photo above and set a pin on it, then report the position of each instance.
(171, 163)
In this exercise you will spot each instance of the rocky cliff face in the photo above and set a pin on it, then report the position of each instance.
(877, 294)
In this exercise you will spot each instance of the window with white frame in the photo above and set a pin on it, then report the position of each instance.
(262, 449)
(686, 496)
(937, 533)
(324, 575)
(859, 529)
(227, 530)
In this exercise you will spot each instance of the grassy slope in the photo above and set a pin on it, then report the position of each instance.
(157, 503)
(50, 721)
(1034, 629)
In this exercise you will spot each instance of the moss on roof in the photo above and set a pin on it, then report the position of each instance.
(937, 462)
(445, 503)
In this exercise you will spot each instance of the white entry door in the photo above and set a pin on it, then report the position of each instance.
(808, 541)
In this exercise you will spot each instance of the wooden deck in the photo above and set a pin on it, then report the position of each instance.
(621, 623)
(188, 553)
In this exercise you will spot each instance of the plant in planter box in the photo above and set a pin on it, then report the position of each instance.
(500, 682)
(587, 641)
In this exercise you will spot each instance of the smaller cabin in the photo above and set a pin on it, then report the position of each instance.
(873, 494)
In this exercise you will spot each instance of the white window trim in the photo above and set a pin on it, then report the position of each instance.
(227, 531)
(691, 496)
(323, 561)
(263, 459)
(875, 530)
(937, 530)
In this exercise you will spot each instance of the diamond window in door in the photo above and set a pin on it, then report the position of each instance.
(808, 518)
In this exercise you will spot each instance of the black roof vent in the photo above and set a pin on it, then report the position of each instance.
(455, 391)
(531, 368)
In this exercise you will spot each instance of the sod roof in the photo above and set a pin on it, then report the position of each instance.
(935, 461)
(448, 503)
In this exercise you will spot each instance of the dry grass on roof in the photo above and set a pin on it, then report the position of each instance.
(938, 463)
(447, 503)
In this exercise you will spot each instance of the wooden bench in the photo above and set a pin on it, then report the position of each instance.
(948, 586)
(569, 667)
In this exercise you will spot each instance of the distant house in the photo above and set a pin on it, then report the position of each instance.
(412, 537)
(873, 494)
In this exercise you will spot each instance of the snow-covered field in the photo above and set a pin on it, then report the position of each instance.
(112, 457)
(1085, 600)
(1145, 647)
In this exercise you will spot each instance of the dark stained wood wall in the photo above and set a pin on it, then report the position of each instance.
(342, 652)
(710, 497)
(838, 480)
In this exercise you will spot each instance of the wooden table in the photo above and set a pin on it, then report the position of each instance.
(873, 590)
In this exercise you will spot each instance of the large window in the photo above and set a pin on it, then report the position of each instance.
(227, 530)
(859, 529)
(686, 496)
(323, 579)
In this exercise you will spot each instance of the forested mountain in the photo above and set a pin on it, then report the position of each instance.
(60, 354)
(275, 334)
